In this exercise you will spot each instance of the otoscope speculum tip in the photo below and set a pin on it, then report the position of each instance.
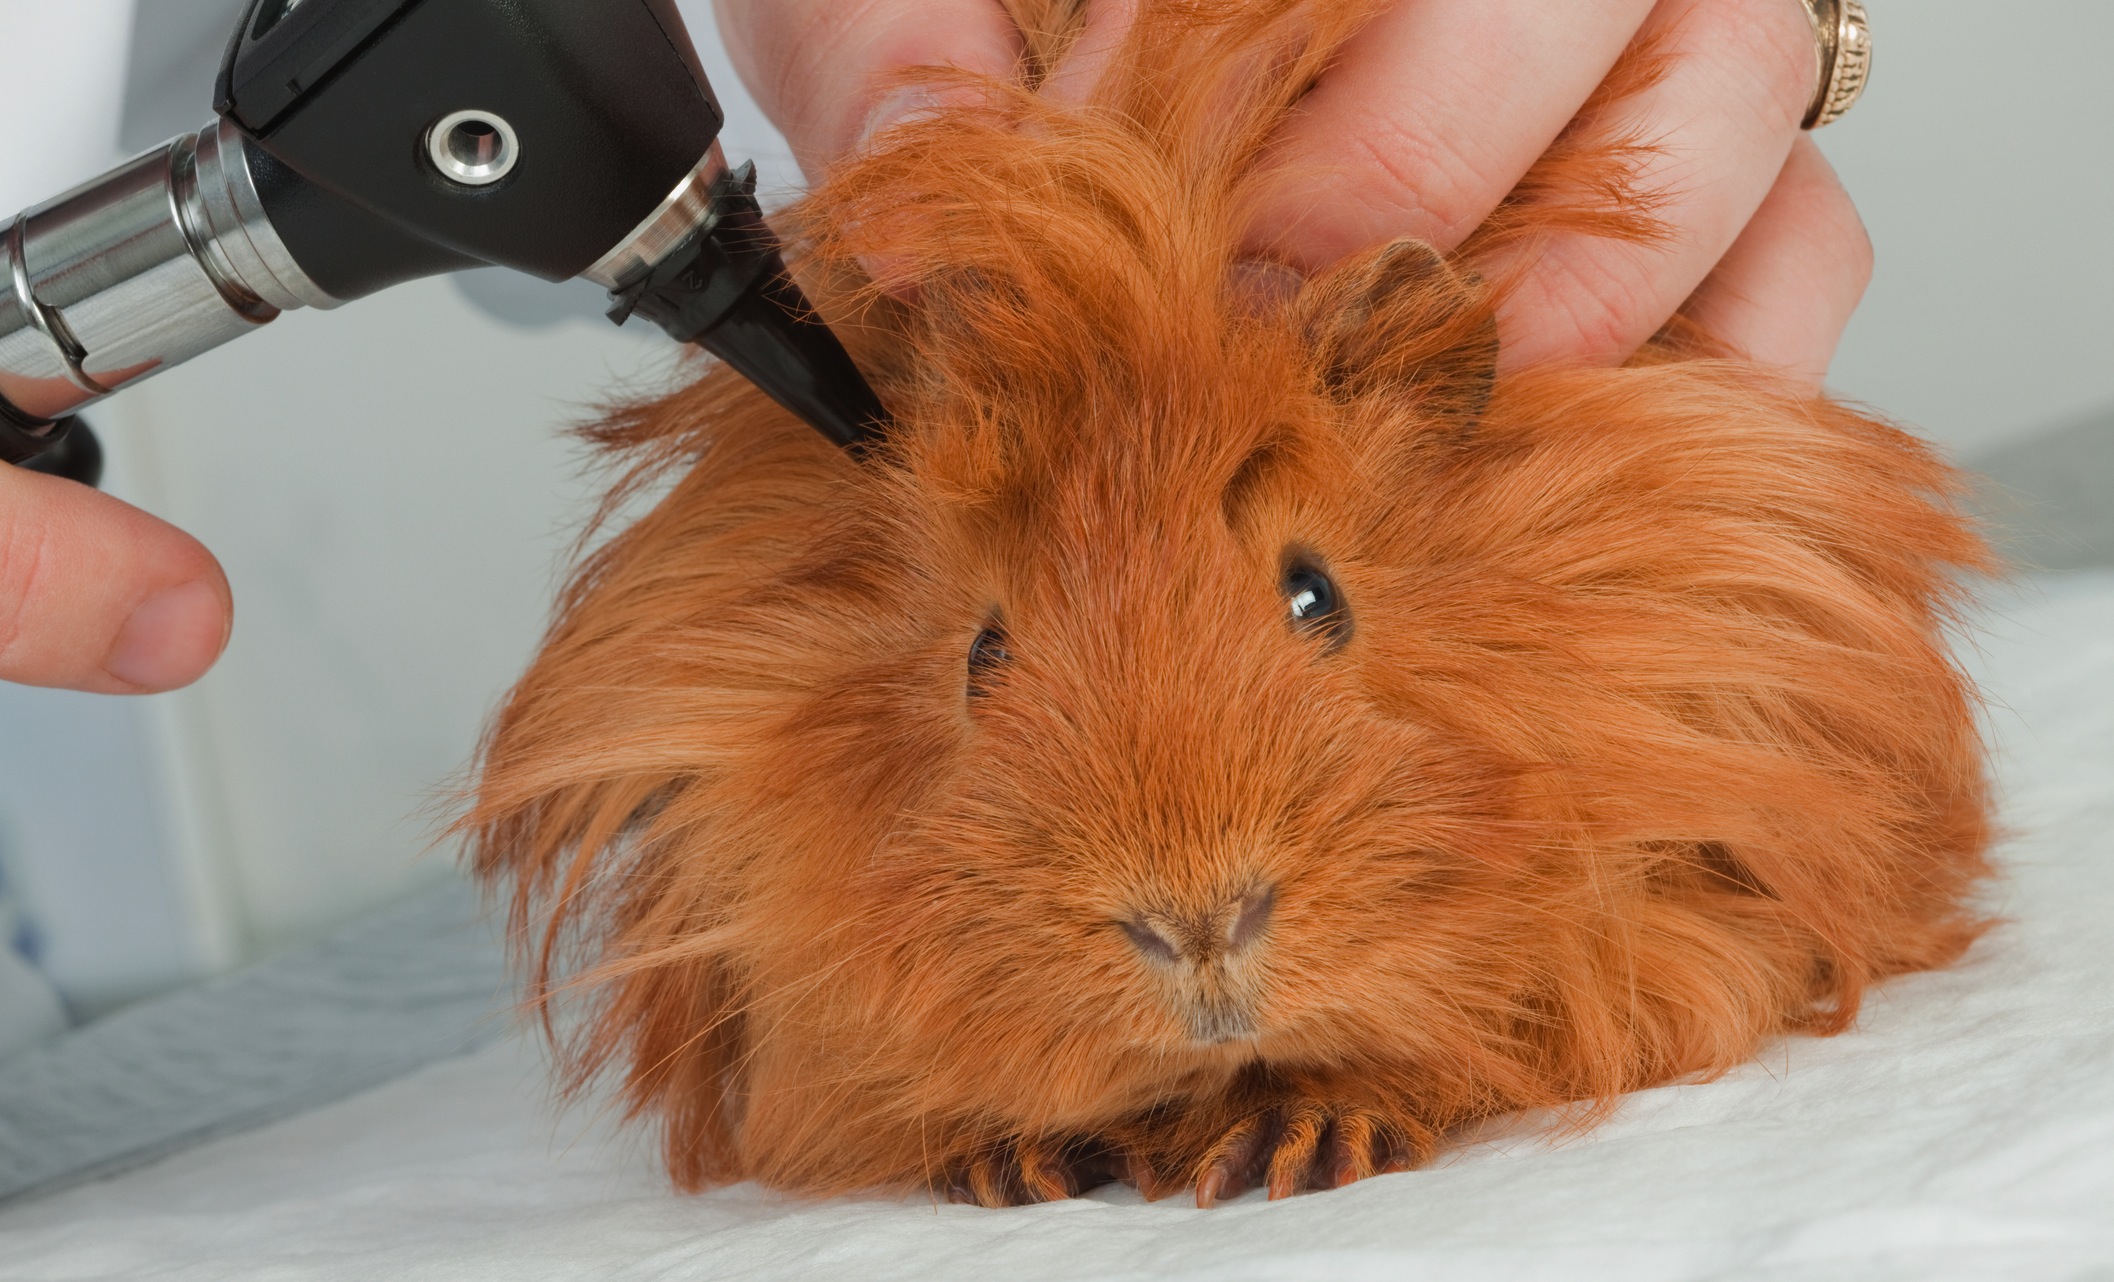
(724, 286)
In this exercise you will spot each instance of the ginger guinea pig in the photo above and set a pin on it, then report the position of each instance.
(1219, 739)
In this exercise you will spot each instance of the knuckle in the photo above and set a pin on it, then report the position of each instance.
(785, 50)
(1762, 51)
(1834, 230)
(1854, 244)
(1417, 185)
(1775, 39)
(1867, 263)
(1599, 310)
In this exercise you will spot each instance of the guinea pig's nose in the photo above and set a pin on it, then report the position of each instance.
(1226, 931)
(1150, 941)
(1251, 915)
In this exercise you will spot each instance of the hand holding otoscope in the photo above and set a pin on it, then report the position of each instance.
(359, 144)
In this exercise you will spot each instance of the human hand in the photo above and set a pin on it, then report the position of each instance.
(96, 595)
(1428, 120)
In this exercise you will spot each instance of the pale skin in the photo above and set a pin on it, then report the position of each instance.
(1428, 120)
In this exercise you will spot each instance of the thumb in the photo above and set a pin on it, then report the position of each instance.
(97, 595)
(821, 69)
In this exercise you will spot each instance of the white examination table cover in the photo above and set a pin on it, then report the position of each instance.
(1964, 1129)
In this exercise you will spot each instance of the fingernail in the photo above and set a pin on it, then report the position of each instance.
(171, 639)
(911, 102)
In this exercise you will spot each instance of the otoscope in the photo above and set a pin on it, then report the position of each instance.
(359, 144)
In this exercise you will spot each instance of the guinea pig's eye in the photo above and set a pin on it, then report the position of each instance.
(987, 654)
(1316, 605)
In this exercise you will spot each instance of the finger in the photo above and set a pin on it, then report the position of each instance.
(1100, 38)
(823, 70)
(1430, 116)
(1784, 293)
(1721, 123)
(96, 595)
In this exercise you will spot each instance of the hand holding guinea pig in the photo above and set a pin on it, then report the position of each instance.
(1432, 112)
(1217, 741)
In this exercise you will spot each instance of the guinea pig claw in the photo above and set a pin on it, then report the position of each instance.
(1045, 1174)
(1153, 1183)
(988, 1181)
(1025, 1172)
(1356, 1148)
(1298, 1144)
(1236, 1161)
(1300, 1147)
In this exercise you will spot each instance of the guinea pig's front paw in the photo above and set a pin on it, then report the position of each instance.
(1305, 1143)
(1024, 1172)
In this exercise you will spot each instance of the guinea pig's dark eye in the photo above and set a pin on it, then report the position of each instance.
(1316, 605)
(987, 654)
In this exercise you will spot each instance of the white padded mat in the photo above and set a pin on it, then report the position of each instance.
(418, 982)
(1965, 1129)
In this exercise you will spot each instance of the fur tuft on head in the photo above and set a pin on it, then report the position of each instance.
(1221, 723)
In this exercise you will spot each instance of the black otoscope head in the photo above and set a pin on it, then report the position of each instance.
(397, 139)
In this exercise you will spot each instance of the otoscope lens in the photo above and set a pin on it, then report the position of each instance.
(473, 148)
(474, 143)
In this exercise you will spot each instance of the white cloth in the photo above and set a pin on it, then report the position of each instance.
(1964, 1129)
(31, 1012)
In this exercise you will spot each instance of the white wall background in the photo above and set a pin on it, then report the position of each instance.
(391, 492)
(60, 78)
(1982, 157)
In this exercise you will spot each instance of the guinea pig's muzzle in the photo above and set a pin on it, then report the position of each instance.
(1209, 962)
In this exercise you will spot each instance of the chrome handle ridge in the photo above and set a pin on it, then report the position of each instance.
(166, 257)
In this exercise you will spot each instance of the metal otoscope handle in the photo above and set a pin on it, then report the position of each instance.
(165, 257)
(363, 143)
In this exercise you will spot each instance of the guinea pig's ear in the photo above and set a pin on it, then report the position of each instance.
(1404, 323)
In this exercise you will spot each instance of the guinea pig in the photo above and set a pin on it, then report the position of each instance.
(1222, 736)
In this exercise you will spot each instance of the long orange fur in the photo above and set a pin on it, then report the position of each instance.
(1644, 746)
